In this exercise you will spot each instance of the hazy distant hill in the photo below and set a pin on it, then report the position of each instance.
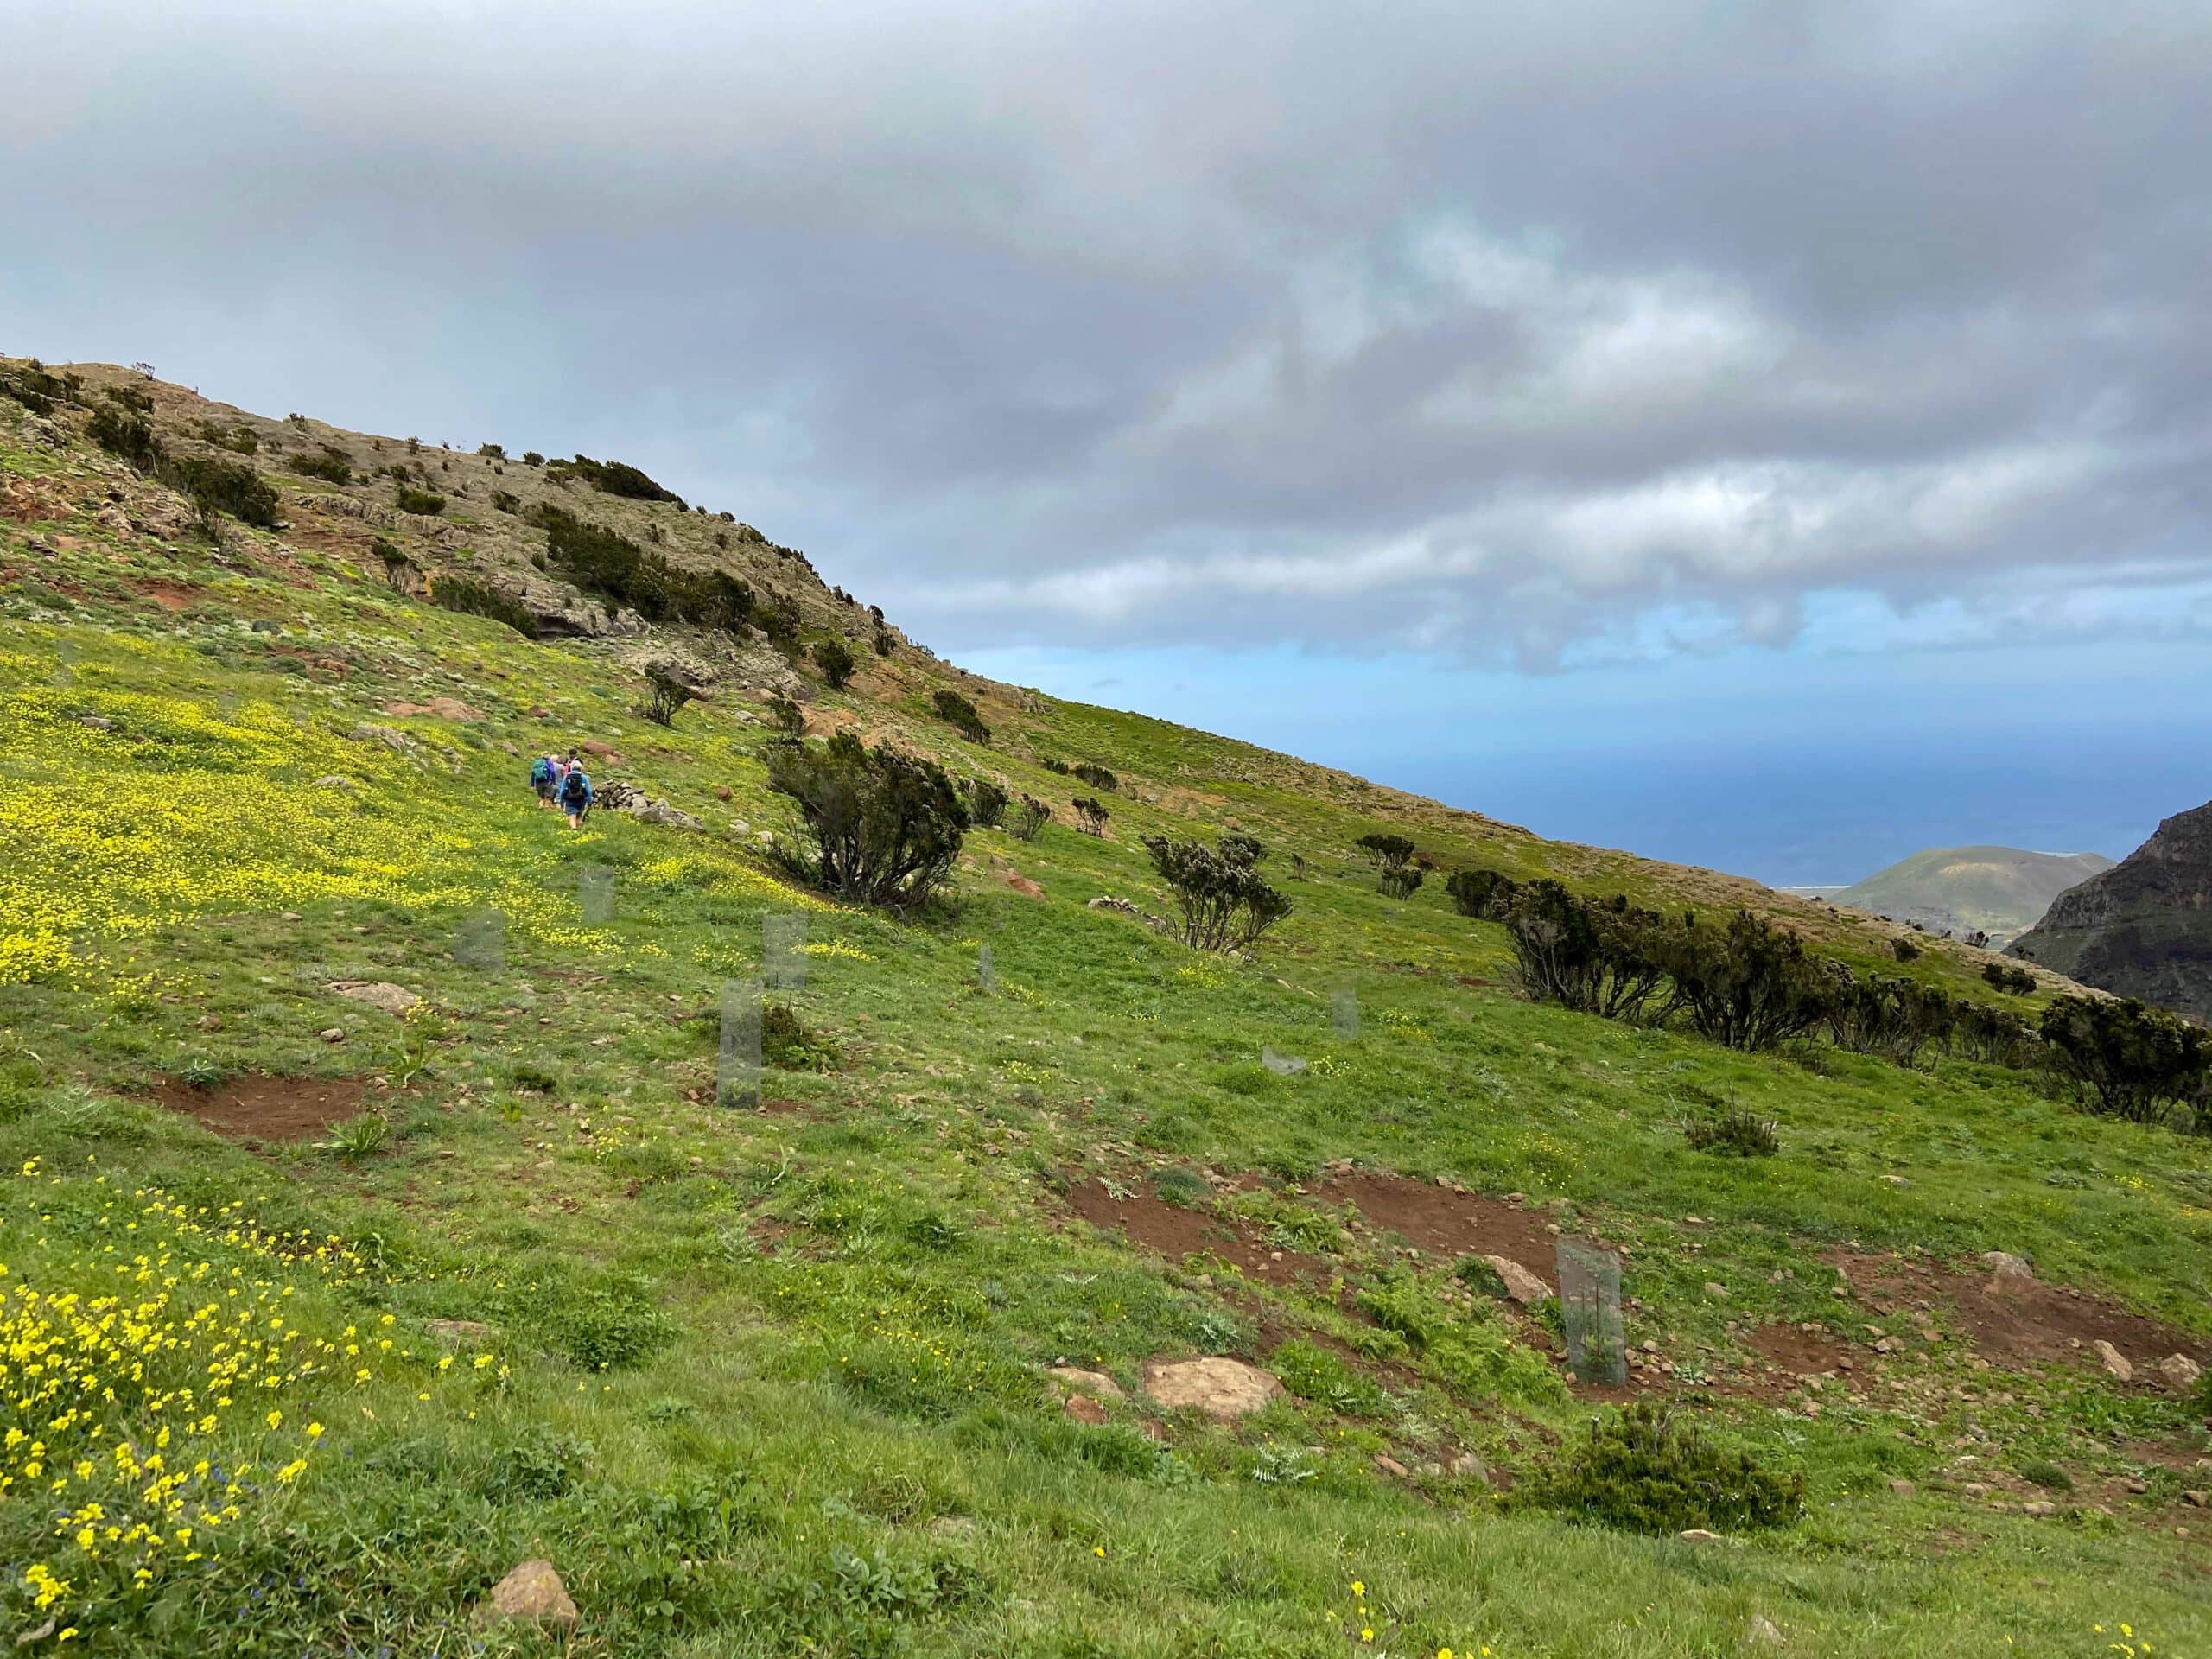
(1999, 891)
(2144, 928)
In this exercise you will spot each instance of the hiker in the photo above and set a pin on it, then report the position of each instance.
(575, 796)
(544, 779)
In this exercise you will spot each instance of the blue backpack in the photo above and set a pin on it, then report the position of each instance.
(541, 771)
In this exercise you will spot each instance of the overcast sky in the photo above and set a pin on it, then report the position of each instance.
(1425, 384)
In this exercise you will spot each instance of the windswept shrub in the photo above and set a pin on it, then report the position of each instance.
(884, 642)
(408, 498)
(493, 451)
(1995, 1036)
(1596, 958)
(506, 501)
(876, 826)
(1393, 858)
(2004, 977)
(1648, 1471)
(612, 478)
(213, 486)
(1486, 895)
(835, 658)
(1096, 775)
(986, 802)
(1892, 1018)
(1091, 816)
(1749, 985)
(1733, 1132)
(665, 694)
(454, 592)
(2128, 1059)
(401, 572)
(1224, 903)
(329, 463)
(960, 714)
(614, 568)
(1030, 817)
(786, 714)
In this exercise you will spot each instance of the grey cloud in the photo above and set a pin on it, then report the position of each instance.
(1492, 335)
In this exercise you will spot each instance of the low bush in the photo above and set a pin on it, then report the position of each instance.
(213, 486)
(876, 826)
(400, 571)
(2004, 977)
(1486, 895)
(1091, 816)
(1749, 985)
(786, 714)
(611, 478)
(1096, 775)
(408, 498)
(1029, 817)
(1905, 950)
(787, 1042)
(2126, 1059)
(986, 802)
(613, 567)
(1393, 858)
(835, 658)
(1648, 1471)
(454, 592)
(329, 463)
(960, 714)
(1223, 901)
(1893, 1019)
(506, 501)
(1598, 959)
(665, 695)
(1733, 1132)
(493, 451)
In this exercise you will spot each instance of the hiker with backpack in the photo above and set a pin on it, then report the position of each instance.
(545, 779)
(576, 795)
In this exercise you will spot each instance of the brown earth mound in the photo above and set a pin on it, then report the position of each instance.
(258, 1108)
(1801, 1353)
(1169, 1231)
(1441, 1222)
(2016, 1320)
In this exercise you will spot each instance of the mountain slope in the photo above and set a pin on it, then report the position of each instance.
(2142, 928)
(302, 998)
(1999, 891)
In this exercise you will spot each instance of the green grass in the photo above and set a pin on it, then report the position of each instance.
(764, 1383)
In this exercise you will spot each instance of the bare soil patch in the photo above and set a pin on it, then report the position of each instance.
(171, 597)
(258, 1108)
(1801, 1353)
(2015, 1321)
(1176, 1233)
(1438, 1221)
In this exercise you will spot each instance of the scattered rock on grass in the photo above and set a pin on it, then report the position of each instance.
(1085, 1409)
(2115, 1361)
(378, 994)
(2180, 1371)
(1095, 1382)
(1223, 1389)
(1522, 1285)
(533, 1594)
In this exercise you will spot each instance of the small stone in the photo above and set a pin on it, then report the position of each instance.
(1976, 1488)
(1389, 1466)
(952, 1526)
(459, 1330)
(2041, 1506)
(1470, 1468)
(333, 1033)
(1763, 1632)
(1904, 1489)
(2180, 1371)
(1698, 1535)
(1715, 1289)
(1521, 1284)
(532, 1592)
(2137, 1486)
(2115, 1361)
(2197, 1500)
(1085, 1409)
(1083, 1382)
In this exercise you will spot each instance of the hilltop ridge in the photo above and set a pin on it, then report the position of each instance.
(2000, 892)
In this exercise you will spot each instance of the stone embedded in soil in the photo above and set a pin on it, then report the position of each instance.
(1698, 1535)
(459, 1329)
(1904, 1489)
(2180, 1371)
(1522, 1285)
(2115, 1361)
(1390, 1466)
(533, 1594)
(1093, 1382)
(2041, 1506)
(1085, 1409)
(378, 994)
(333, 1033)
(1223, 1389)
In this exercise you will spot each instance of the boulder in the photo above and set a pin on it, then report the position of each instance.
(1390, 1465)
(2115, 1361)
(533, 1594)
(1468, 1466)
(2179, 1372)
(1522, 1285)
(378, 994)
(2003, 1264)
(1223, 1389)
(1095, 1382)
(333, 1033)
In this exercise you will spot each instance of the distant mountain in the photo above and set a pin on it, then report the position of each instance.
(2142, 928)
(1999, 891)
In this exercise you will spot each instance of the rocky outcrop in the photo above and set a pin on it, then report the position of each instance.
(2142, 928)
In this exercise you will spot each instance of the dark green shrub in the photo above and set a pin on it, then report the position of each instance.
(1751, 985)
(531, 458)
(1223, 902)
(613, 567)
(2042, 1473)
(786, 1041)
(986, 802)
(454, 592)
(131, 397)
(960, 714)
(1486, 895)
(224, 486)
(835, 658)
(2126, 1059)
(884, 642)
(613, 478)
(1905, 950)
(408, 498)
(1030, 816)
(1184, 1188)
(1595, 958)
(665, 695)
(1091, 816)
(1995, 1036)
(1892, 1018)
(786, 714)
(125, 435)
(876, 826)
(1096, 775)
(1646, 1470)
(506, 501)
(493, 451)
(1733, 1132)
(400, 572)
(2004, 977)
(1397, 874)
(330, 463)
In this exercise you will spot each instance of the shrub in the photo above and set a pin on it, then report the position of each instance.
(493, 451)
(1751, 985)
(1646, 1470)
(506, 501)
(1598, 959)
(408, 498)
(1030, 817)
(1091, 816)
(960, 714)
(399, 570)
(1393, 858)
(1903, 949)
(835, 658)
(665, 694)
(531, 458)
(1995, 1036)
(1486, 895)
(986, 802)
(614, 568)
(877, 826)
(1096, 775)
(2041, 1472)
(213, 486)
(2005, 977)
(786, 714)
(1225, 906)
(126, 436)
(884, 642)
(330, 463)
(131, 397)
(612, 478)
(1892, 1018)
(1733, 1132)
(786, 1041)
(2128, 1059)
(465, 593)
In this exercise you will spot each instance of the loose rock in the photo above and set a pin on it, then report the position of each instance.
(1084, 1382)
(378, 994)
(2115, 1361)
(532, 1592)
(1223, 1389)
(1522, 1285)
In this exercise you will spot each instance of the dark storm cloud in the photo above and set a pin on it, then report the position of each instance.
(1637, 325)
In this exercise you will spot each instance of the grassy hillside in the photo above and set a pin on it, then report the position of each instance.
(338, 1308)
(1999, 891)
